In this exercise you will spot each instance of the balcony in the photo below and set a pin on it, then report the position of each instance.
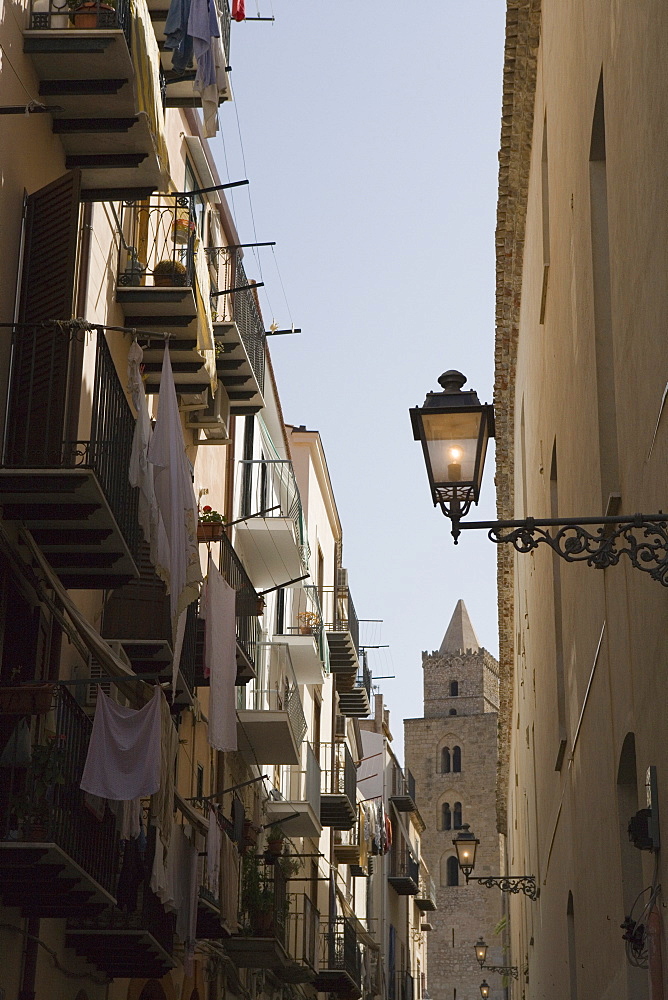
(338, 807)
(238, 330)
(137, 616)
(261, 942)
(298, 805)
(340, 963)
(357, 702)
(402, 792)
(66, 457)
(83, 60)
(270, 716)
(210, 920)
(342, 628)
(404, 875)
(303, 632)
(350, 846)
(126, 944)
(56, 858)
(426, 896)
(301, 940)
(179, 91)
(273, 536)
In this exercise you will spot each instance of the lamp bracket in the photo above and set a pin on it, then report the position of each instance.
(508, 883)
(503, 970)
(641, 537)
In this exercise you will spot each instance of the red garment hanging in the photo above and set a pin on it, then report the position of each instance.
(239, 10)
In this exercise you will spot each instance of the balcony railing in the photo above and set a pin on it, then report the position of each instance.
(404, 874)
(248, 623)
(42, 417)
(338, 786)
(340, 961)
(264, 899)
(91, 14)
(158, 242)
(44, 803)
(339, 613)
(301, 938)
(227, 272)
(269, 489)
(402, 791)
(426, 897)
(276, 689)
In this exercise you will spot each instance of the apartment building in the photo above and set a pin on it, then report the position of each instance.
(144, 444)
(581, 433)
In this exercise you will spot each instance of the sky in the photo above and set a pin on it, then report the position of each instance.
(369, 133)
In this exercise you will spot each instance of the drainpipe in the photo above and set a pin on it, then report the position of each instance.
(27, 991)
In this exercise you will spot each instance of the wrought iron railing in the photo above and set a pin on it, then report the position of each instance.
(158, 241)
(225, 22)
(188, 660)
(227, 272)
(276, 689)
(95, 14)
(302, 929)
(427, 888)
(269, 489)
(248, 623)
(264, 898)
(403, 864)
(40, 417)
(364, 678)
(44, 801)
(339, 612)
(402, 784)
(302, 781)
(338, 773)
(340, 951)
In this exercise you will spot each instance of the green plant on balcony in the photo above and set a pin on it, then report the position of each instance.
(32, 807)
(257, 895)
(209, 525)
(170, 273)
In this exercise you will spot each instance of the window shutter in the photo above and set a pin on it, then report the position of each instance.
(41, 361)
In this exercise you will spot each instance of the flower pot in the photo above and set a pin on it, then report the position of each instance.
(183, 229)
(275, 847)
(210, 531)
(94, 15)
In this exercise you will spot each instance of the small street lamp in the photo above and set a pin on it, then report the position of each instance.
(481, 954)
(484, 988)
(465, 844)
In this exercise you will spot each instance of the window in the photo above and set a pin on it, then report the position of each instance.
(457, 816)
(445, 760)
(457, 759)
(446, 817)
(452, 871)
(453, 711)
(454, 689)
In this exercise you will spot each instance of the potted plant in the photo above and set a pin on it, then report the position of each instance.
(309, 622)
(93, 14)
(210, 525)
(33, 806)
(257, 896)
(275, 840)
(170, 273)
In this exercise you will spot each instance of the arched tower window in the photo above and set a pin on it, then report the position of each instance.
(453, 711)
(454, 689)
(457, 759)
(446, 817)
(452, 871)
(445, 760)
(457, 816)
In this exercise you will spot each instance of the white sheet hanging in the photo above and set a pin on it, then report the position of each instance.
(220, 659)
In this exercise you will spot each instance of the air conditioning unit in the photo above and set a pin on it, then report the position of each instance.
(214, 418)
(340, 727)
(96, 669)
(343, 578)
(193, 400)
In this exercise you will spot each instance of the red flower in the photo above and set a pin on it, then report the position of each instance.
(206, 509)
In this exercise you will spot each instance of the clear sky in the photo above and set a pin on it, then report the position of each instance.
(369, 133)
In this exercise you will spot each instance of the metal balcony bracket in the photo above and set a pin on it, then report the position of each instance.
(503, 970)
(641, 537)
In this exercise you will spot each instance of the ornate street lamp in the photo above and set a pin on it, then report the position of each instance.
(484, 989)
(465, 845)
(481, 954)
(454, 428)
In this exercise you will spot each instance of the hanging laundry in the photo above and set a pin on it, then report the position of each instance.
(176, 500)
(213, 848)
(162, 803)
(176, 35)
(182, 870)
(239, 10)
(229, 896)
(123, 760)
(131, 876)
(204, 27)
(220, 659)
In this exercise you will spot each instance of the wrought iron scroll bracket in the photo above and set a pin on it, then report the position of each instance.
(643, 538)
(508, 883)
(503, 970)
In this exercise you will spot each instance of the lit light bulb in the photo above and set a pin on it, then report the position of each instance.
(456, 454)
(454, 465)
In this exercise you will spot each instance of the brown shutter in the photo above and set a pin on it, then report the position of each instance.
(43, 363)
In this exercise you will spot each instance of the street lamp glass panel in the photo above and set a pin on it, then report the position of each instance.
(484, 988)
(465, 845)
(480, 951)
(451, 440)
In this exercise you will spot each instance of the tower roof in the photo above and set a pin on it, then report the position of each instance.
(460, 634)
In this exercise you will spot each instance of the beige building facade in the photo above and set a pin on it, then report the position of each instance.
(582, 432)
